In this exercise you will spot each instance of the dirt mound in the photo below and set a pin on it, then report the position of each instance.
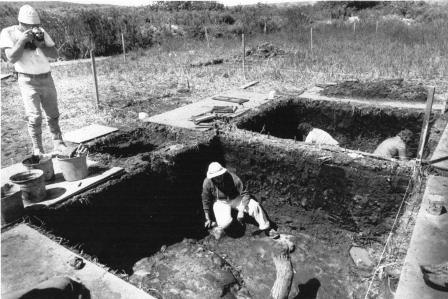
(393, 89)
(265, 50)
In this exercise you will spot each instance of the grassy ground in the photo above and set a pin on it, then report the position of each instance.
(160, 79)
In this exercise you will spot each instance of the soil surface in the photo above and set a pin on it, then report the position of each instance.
(136, 223)
(393, 89)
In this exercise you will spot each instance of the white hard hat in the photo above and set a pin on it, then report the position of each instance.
(215, 169)
(28, 15)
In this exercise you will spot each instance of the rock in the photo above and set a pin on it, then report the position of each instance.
(185, 273)
(436, 276)
(361, 257)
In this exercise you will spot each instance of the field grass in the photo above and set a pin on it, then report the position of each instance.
(161, 79)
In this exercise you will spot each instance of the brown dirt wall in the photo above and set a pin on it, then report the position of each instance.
(290, 179)
(358, 127)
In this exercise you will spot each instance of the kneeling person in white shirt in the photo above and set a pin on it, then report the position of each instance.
(315, 135)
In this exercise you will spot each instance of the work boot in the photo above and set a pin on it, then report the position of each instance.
(217, 232)
(272, 233)
(38, 152)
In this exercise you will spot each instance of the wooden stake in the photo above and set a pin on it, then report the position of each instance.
(248, 84)
(124, 48)
(95, 80)
(376, 27)
(426, 118)
(311, 39)
(206, 37)
(354, 27)
(244, 55)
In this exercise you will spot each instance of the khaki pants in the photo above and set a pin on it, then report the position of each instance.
(222, 211)
(37, 92)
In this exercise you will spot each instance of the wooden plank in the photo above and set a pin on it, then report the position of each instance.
(230, 99)
(59, 189)
(441, 152)
(249, 84)
(88, 133)
(429, 101)
(54, 190)
(33, 257)
(181, 117)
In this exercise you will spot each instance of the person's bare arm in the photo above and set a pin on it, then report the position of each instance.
(402, 152)
(15, 53)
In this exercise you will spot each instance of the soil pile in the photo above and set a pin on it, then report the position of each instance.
(393, 89)
(265, 50)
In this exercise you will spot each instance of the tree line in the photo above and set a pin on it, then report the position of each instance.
(78, 28)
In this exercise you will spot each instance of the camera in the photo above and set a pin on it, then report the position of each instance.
(38, 35)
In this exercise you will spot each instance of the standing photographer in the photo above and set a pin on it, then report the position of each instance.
(28, 47)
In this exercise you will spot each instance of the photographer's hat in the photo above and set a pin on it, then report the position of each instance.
(28, 15)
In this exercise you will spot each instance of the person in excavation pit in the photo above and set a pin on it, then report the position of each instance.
(395, 147)
(28, 46)
(223, 191)
(315, 135)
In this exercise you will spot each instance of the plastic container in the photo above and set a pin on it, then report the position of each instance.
(12, 205)
(45, 164)
(73, 169)
(32, 184)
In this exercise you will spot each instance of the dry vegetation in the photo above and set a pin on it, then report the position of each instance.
(157, 79)
(160, 78)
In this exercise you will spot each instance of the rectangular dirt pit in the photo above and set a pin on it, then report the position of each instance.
(324, 204)
(357, 127)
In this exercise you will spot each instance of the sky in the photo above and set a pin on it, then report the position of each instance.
(146, 2)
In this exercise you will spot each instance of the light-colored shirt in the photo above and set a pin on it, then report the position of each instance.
(319, 136)
(32, 61)
(392, 147)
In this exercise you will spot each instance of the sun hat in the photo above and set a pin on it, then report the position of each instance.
(215, 169)
(28, 15)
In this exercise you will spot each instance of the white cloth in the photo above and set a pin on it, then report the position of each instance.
(222, 210)
(32, 61)
(319, 136)
(392, 147)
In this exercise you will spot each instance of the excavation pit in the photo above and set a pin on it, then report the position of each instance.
(149, 222)
(355, 127)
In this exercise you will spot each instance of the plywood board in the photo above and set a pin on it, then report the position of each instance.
(181, 117)
(59, 190)
(29, 258)
(88, 133)
(314, 94)
(428, 245)
(441, 151)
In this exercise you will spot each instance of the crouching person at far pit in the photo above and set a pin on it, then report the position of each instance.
(223, 191)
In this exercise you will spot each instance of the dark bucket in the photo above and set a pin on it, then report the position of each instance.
(44, 164)
(32, 184)
(12, 205)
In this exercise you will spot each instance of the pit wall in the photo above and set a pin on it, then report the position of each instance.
(157, 201)
(154, 203)
(360, 194)
(358, 127)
